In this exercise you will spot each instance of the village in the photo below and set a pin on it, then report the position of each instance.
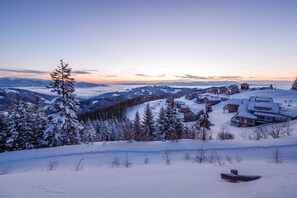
(248, 111)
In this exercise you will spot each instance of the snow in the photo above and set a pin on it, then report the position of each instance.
(1, 97)
(181, 179)
(115, 95)
(28, 175)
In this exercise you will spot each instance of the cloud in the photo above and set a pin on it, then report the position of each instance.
(24, 71)
(81, 72)
(150, 76)
(230, 77)
(193, 77)
(111, 76)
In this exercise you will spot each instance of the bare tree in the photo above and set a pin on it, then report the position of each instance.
(219, 160)
(238, 159)
(146, 159)
(167, 157)
(287, 128)
(229, 159)
(187, 156)
(200, 156)
(260, 132)
(126, 162)
(276, 130)
(79, 165)
(277, 157)
(212, 157)
(116, 162)
(4, 171)
(52, 165)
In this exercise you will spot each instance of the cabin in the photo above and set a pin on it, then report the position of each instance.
(244, 86)
(213, 90)
(233, 89)
(189, 116)
(258, 110)
(184, 108)
(223, 90)
(178, 103)
(232, 105)
(212, 100)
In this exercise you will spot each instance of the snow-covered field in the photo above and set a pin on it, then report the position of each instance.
(28, 175)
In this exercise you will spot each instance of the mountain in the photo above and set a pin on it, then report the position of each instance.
(32, 82)
(8, 95)
(192, 83)
(145, 93)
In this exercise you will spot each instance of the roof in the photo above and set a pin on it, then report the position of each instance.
(269, 115)
(212, 99)
(270, 107)
(180, 102)
(234, 102)
(289, 112)
(243, 110)
(184, 106)
(261, 99)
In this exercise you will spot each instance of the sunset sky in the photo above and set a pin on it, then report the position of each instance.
(125, 40)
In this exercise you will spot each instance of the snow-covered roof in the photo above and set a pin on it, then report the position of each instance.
(289, 112)
(270, 107)
(243, 110)
(180, 102)
(261, 99)
(269, 115)
(234, 102)
(184, 106)
(213, 99)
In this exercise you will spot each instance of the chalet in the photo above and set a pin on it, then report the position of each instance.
(213, 90)
(189, 116)
(178, 103)
(223, 90)
(212, 100)
(233, 89)
(232, 105)
(184, 108)
(244, 86)
(258, 110)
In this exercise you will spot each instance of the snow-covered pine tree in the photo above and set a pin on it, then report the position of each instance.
(294, 85)
(161, 125)
(63, 126)
(88, 134)
(137, 130)
(204, 125)
(173, 124)
(3, 132)
(148, 123)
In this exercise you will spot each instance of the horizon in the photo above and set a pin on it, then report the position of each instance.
(150, 41)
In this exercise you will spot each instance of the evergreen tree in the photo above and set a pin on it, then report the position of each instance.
(3, 132)
(148, 122)
(173, 125)
(63, 126)
(204, 125)
(162, 126)
(294, 85)
(88, 134)
(137, 127)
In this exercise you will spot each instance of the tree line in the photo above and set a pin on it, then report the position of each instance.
(30, 125)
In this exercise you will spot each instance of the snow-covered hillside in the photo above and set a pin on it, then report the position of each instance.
(218, 117)
(27, 173)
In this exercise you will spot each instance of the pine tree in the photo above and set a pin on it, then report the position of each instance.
(137, 127)
(162, 126)
(88, 134)
(3, 132)
(173, 124)
(204, 125)
(148, 122)
(63, 126)
(294, 85)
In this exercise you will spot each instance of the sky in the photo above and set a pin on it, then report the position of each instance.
(154, 40)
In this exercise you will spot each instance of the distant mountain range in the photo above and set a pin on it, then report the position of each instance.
(31, 82)
(192, 83)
